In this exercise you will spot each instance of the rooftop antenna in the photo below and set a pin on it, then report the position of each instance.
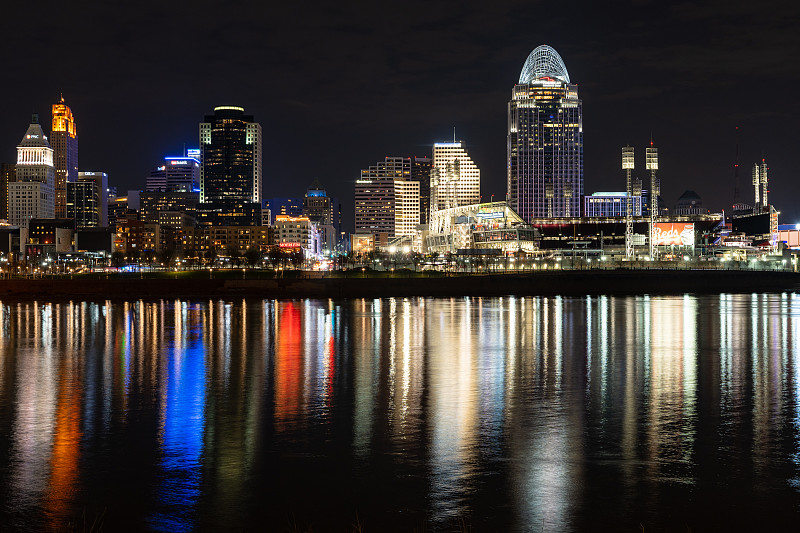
(454, 134)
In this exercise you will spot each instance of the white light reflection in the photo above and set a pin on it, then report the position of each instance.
(453, 406)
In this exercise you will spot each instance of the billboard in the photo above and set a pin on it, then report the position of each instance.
(677, 233)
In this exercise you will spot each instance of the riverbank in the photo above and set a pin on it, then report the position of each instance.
(551, 283)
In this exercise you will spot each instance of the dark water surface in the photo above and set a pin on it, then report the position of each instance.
(501, 414)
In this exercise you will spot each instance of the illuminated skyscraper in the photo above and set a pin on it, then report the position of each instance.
(545, 140)
(230, 144)
(455, 180)
(32, 195)
(230, 172)
(64, 141)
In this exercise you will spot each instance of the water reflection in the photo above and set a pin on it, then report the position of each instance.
(507, 414)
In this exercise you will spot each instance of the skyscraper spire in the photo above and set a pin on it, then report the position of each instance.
(64, 139)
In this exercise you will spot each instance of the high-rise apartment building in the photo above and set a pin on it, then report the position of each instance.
(386, 199)
(32, 195)
(455, 179)
(545, 140)
(64, 141)
(406, 207)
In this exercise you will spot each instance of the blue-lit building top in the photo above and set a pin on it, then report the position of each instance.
(177, 174)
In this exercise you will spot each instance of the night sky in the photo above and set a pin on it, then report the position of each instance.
(337, 87)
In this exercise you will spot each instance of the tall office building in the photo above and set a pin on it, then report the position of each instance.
(177, 174)
(87, 200)
(421, 172)
(545, 140)
(317, 205)
(455, 180)
(386, 199)
(230, 146)
(64, 141)
(323, 211)
(32, 195)
(7, 175)
(230, 169)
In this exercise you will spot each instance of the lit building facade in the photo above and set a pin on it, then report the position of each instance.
(479, 228)
(406, 207)
(231, 167)
(421, 172)
(293, 231)
(291, 207)
(324, 211)
(545, 140)
(177, 174)
(83, 204)
(317, 205)
(610, 204)
(90, 206)
(32, 195)
(455, 179)
(64, 141)
(387, 199)
(152, 203)
(8, 174)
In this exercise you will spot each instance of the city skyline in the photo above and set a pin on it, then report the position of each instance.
(676, 72)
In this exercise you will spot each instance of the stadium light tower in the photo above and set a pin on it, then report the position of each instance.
(651, 163)
(757, 185)
(627, 166)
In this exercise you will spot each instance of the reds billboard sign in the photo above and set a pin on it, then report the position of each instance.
(678, 233)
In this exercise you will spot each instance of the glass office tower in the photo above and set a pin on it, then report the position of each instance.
(545, 140)
(230, 172)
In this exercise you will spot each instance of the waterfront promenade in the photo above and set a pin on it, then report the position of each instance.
(237, 284)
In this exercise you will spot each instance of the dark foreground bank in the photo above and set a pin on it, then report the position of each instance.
(565, 283)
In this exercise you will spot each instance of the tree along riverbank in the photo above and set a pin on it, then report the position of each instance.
(550, 283)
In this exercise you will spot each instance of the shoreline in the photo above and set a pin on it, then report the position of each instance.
(550, 283)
